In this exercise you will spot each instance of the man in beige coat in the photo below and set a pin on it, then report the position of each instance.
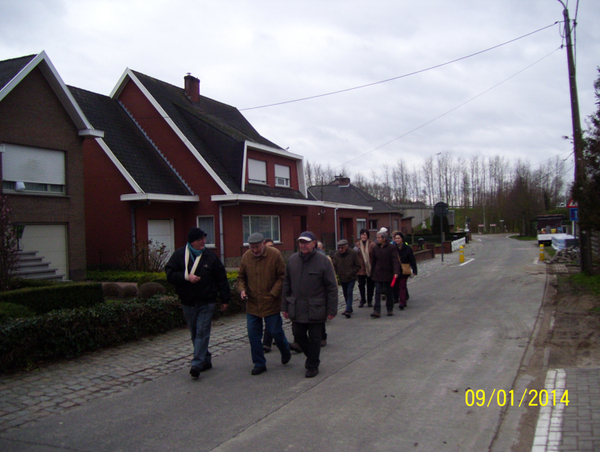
(259, 282)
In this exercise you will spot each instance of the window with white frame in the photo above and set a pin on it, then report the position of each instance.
(282, 176)
(361, 223)
(257, 171)
(267, 225)
(29, 169)
(207, 224)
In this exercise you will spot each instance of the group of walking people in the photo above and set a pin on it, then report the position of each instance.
(305, 290)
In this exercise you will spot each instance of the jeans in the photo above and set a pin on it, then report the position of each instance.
(274, 325)
(348, 289)
(198, 319)
(383, 287)
(308, 337)
(364, 280)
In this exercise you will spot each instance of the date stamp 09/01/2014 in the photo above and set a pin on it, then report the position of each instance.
(502, 398)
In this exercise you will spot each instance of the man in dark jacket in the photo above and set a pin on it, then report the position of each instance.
(199, 277)
(346, 265)
(310, 298)
(385, 267)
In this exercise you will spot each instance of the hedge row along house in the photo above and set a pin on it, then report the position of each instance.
(91, 177)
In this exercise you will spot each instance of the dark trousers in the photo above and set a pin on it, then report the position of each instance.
(383, 288)
(400, 291)
(364, 280)
(308, 337)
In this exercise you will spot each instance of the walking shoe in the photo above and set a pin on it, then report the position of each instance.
(206, 366)
(310, 373)
(348, 314)
(401, 307)
(375, 314)
(390, 313)
(323, 342)
(266, 348)
(258, 370)
(370, 305)
(286, 358)
(361, 304)
(294, 346)
(195, 371)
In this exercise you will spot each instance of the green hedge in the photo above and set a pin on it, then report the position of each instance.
(60, 296)
(70, 332)
(125, 276)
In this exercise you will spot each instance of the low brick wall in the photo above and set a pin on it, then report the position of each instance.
(423, 255)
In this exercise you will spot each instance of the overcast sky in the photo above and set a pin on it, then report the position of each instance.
(512, 101)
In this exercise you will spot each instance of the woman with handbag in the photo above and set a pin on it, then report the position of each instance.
(409, 267)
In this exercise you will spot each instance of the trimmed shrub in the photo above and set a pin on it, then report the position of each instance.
(150, 289)
(130, 291)
(70, 332)
(112, 290)
(14, 311)
(66, 295)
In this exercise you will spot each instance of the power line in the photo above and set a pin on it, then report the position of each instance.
(449, 111)
(400, 76)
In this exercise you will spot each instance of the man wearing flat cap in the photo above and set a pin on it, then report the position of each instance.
(310, 298)
(259, 282)
(347, 265)
(199, 278)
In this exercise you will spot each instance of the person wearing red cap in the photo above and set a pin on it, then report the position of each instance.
(199, 278)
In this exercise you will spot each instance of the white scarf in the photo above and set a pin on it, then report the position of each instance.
(364, 249)
(187, 260)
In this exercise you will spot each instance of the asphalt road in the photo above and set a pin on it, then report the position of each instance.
(390, 384)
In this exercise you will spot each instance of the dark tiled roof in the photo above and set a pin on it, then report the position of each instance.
(217, 130)
(261, 190)
(129, 144)
(350, 195)
(10, 68)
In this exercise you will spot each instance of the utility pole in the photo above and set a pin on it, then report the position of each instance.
(580, 177)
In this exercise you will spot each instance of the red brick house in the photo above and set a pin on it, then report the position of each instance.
(42, 136)
(171, 159)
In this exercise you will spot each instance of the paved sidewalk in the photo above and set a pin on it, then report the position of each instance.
(54, 388)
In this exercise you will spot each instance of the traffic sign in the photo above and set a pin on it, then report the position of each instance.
(574, 213)
(572, 204)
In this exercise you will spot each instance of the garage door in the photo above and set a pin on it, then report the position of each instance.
(161, 232)
(50, 242)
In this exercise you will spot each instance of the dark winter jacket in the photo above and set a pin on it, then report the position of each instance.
(406, 256)
(346, 265)
(310, 291)
(384, 263)
(213, 278)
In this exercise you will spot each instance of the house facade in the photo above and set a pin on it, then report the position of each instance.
(171, 159)
(42, 136)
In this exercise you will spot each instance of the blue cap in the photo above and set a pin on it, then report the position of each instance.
(307, 236)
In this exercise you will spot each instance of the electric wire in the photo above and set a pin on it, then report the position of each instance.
(449, 111)
(400, 76)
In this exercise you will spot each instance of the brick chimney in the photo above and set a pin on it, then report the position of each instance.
(192, 87)
(342, 181)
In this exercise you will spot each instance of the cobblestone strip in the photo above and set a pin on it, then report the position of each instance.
(581, 419)
(59, 386)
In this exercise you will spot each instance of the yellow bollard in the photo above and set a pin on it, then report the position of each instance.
(462, 254)
(542, 257)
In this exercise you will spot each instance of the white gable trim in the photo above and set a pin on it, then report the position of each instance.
(59, 88)
(271, 150)
(117, 90)
(113, 158)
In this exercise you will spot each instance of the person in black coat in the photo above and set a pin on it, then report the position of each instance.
(199, 278)
(385, 266)
(405, 256)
